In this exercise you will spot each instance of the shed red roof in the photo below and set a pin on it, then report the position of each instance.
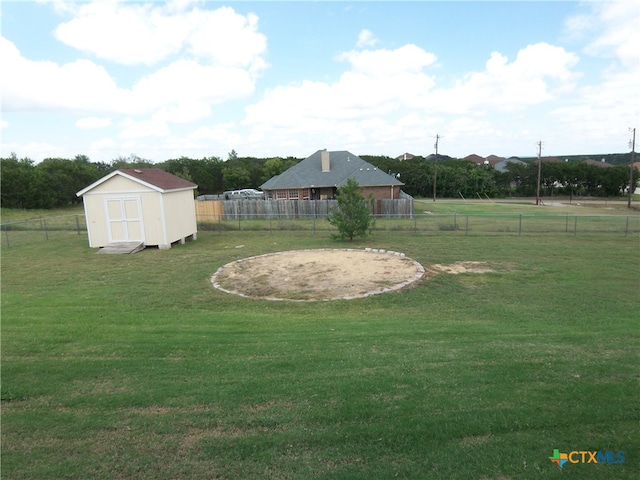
(158, 178)
(152, 177)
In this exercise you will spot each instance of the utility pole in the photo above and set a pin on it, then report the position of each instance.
(435, 172)
(539, 168)
(633, 159)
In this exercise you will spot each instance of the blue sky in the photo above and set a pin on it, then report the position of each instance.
(161, 80)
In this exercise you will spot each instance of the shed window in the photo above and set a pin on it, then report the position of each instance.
(293, 194)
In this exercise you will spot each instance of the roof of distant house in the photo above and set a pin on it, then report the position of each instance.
(600, 163)
(342, 165)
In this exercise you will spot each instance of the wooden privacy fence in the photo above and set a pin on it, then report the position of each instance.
(234, 209)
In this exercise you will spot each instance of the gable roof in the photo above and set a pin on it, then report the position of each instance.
(343, 165)
(597, 163)
(474, 158)
(153, 178)
(501, 166)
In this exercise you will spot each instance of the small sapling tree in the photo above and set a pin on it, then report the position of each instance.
(352, 217)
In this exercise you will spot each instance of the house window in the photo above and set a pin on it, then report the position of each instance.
(293, 194)
(281, 194)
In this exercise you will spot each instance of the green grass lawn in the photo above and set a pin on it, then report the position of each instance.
(121, 367)
(527, 206)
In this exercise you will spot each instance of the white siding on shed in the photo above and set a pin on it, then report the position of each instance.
(146, 205)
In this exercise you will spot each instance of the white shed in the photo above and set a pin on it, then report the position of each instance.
(147, 205)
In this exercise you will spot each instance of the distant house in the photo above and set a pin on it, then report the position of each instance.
(405, 156)
(501, 166)
(148, 206)
(478, 160)
(601, 163)
(320, 175)
(494, 159)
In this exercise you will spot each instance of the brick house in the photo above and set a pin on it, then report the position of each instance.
(319, 176)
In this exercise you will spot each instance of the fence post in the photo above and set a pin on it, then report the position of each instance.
(46, 231)
(626, 229)
(466, 227)
(575, 226)
(6, 234)
(77, 225)
(566, 224)
(520, 225)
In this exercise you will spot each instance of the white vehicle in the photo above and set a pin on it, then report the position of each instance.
(244, 194)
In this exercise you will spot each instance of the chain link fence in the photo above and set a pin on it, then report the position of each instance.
(455, 224)
(71, 226)
(42, 229)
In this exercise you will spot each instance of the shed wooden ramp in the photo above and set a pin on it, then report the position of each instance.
(122, 247)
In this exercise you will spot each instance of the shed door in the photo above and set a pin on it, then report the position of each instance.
(124, 219)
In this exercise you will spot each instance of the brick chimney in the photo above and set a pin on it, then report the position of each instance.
(326, 163)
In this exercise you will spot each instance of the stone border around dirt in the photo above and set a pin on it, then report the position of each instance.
(420, 273)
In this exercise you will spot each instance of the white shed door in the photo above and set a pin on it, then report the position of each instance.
(124, 219)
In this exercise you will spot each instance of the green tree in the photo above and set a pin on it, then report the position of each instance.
(235, 177)
(16, 182)
(352, 217)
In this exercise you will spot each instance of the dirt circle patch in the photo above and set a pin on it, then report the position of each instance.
(320, 274)
(464, 267)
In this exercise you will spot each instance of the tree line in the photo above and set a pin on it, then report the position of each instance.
(54, 182)
(455, 178)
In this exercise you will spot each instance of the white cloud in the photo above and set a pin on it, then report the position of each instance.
(105, 143)
(187, 81)
(90, 123)
(607, 104)
(367, 89)
(366, 39)
(387, 97)
(539, 73)
(125, 33)
(134, 33)
(617, 31)
(227, 38)
(212, 69)
(183, 87)
(145, 128)
(222, 137)
(408, 58)
(44, 85)
(384, 100)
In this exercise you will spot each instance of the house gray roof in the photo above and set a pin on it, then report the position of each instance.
(342, 165)
(501, 166)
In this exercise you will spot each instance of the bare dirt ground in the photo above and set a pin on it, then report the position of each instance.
(323, 274)
(329, 274)
(463, 267)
